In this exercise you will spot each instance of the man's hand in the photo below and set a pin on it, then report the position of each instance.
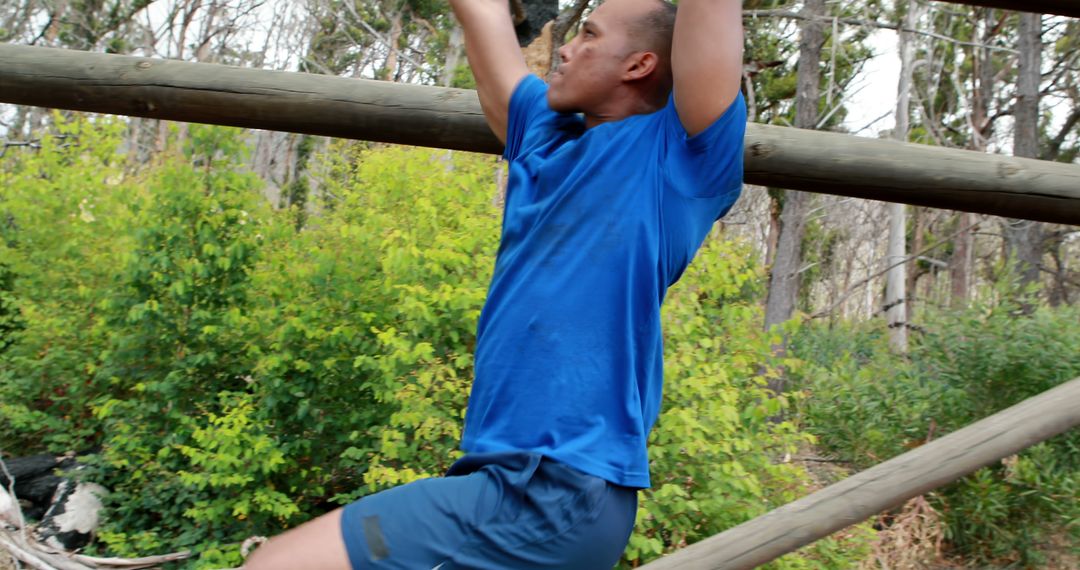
(706, 60)
(494, 56)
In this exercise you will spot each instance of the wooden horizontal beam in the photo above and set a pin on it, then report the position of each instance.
(223, 95)
(451, 118)
(883, 486)
(1058, 7)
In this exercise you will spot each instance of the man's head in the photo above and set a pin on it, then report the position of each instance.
(619, 63)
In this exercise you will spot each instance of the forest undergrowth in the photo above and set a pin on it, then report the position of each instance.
(237, 368)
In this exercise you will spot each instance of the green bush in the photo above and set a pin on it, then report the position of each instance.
(867, 405)
(716, 456)
(65, 212)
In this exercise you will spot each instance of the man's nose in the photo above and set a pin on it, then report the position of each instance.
(564, 52)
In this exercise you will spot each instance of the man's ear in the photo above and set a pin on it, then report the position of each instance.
(640, 65)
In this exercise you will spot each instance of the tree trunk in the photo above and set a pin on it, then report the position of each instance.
(917, 244)
(785, 276)
(896, 277)
(962, 262)
(773, 237)
(454, 51)
(391, 67)
(1024, 238)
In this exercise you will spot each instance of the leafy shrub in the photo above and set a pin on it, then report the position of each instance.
(369, 319)
(176, 352)
(65, 211)
(716, 456)
(867, 405)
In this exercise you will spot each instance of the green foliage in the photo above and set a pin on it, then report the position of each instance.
(867, 406)
(98, 23)
(772, 50)
(715, 453)
(377, 307)
(10, 319)
(65, 211)
(176, 352)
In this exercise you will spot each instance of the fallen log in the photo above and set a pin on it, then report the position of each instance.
(451, 118)
(883, 486)
(39, 557)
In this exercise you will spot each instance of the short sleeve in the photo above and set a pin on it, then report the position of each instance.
(527, 104)
(702, 180)
(710, 162)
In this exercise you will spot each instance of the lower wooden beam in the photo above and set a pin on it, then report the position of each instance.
(881, 487)
(451, 118)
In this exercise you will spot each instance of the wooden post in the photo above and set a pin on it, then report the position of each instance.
(439, 117)
(1059, 7)
(883, 486)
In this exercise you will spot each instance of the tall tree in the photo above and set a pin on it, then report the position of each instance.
(896, 278)
(1024, 238)
(982, 127)
(784, 279)
(1063, 83)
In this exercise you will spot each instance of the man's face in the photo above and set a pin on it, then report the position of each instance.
(592, 64)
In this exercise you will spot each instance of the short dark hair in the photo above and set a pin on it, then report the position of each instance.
(656, 29)
(653, 32)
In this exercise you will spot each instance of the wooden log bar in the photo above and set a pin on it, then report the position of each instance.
(223, 95)
(1059, 7)
(884, 486)
(451, 118)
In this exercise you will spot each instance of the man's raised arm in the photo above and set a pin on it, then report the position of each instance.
(706, 60)
(494, 56)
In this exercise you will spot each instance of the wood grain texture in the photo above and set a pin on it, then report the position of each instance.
(222, 95)
(886, 485)
(893, 171)
(451, 118)
(1059, 7)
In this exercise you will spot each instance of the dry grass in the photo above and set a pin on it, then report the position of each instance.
(910, 539)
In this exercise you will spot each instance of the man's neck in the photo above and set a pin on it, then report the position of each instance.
(621, 105)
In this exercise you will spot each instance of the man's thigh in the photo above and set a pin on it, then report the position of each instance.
(508, 511)
(502, 511)
(414, 526)
(419, 525)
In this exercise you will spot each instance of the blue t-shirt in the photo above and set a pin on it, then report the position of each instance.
(598, 224)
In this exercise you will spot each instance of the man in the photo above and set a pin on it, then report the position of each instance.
(614, 184)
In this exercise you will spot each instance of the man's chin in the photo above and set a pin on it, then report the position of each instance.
(559, 105)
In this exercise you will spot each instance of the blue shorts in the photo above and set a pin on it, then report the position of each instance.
(513, 511)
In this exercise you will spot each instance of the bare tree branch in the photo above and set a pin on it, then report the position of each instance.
(851, 290)
(1054, 148)
(868, 24)
(566, 20)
